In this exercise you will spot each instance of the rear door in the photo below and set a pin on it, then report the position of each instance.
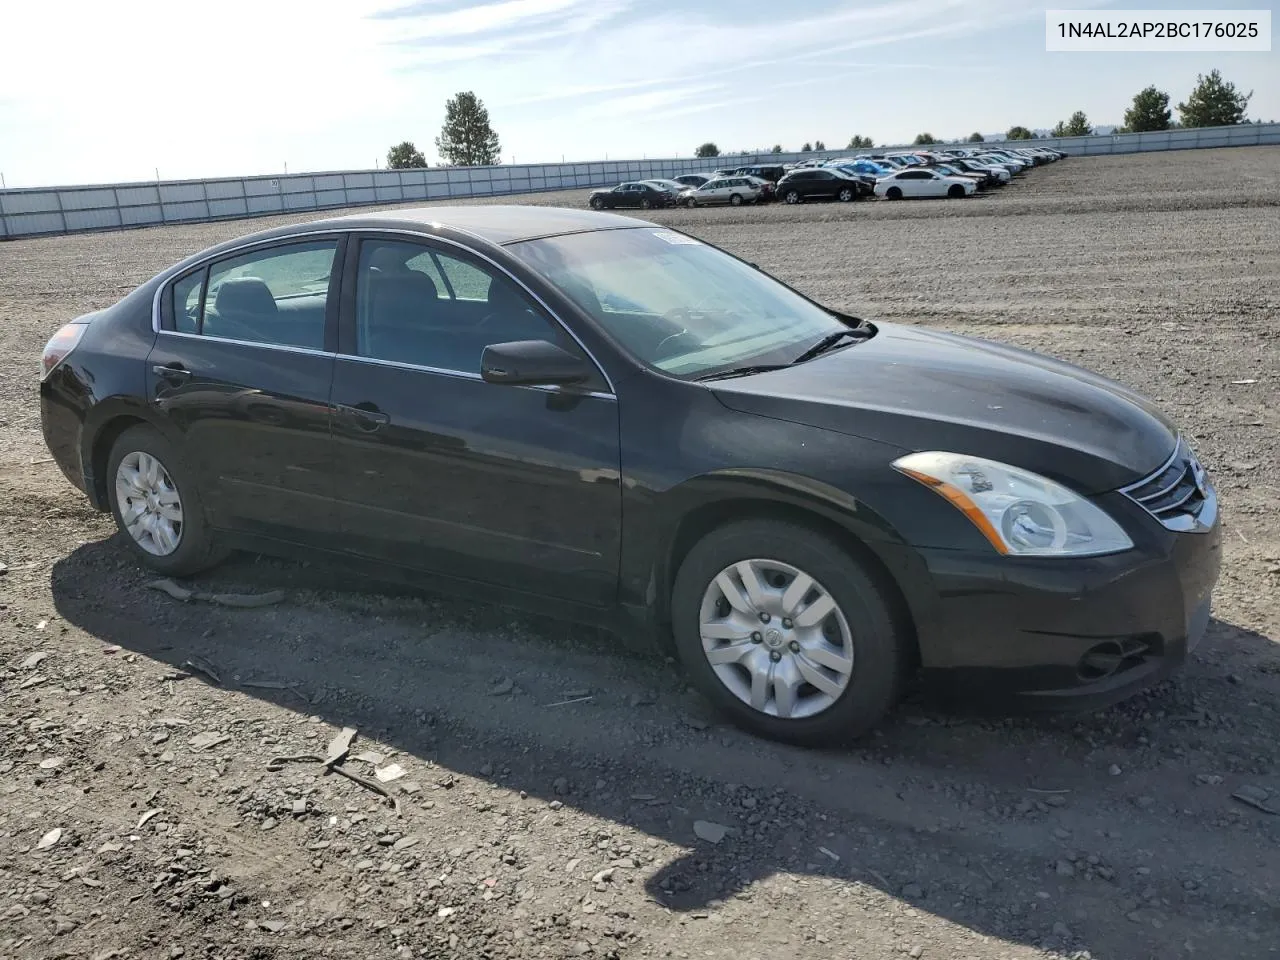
(241, 372)
(443, 472)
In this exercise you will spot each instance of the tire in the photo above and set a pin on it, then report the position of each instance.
(645, 204)
(845, 195)
(735, 199)
(792, 196)
(691, 203)
(196, 549)
(880, 650)
(955, 191)
(596, 203)
(893, 193)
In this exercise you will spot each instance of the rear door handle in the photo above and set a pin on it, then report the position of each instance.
(174, 372)
(369, 417)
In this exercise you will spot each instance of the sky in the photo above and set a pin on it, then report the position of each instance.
(94, 92)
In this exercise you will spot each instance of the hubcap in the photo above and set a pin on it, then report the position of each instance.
(776, 638)
(149, 503)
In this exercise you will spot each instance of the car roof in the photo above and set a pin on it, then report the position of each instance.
(497, 223)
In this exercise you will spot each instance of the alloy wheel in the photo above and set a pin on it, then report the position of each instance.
(150, 506)
(776, 638)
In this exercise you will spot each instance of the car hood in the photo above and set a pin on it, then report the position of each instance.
(921, 389)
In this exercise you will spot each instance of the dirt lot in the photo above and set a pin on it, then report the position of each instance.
(141, 815)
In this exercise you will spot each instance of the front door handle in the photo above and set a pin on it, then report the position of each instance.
(175, 373)
(366, 415)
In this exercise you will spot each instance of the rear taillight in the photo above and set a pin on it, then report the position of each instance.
(60, 346)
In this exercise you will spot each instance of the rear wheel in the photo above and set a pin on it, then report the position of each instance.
(787, 633)
(955, 190)
(845, 195)
(791, 196)
(736, 199)
(156, 504)
(645, 203)
(894, 193)
(691, 203)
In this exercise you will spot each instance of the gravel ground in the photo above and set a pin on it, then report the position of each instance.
(560, 798)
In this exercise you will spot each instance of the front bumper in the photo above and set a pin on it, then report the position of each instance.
(1040, 634)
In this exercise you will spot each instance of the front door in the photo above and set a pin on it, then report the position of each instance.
(440, 471)
(241, 372)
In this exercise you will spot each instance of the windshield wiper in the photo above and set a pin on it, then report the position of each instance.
(829, 341)
(742, 371)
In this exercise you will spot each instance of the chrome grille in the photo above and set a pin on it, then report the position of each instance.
(1176, 493)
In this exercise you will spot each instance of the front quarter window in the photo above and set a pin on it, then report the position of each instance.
(677, 304)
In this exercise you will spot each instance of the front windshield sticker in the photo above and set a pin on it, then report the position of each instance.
(672, 237)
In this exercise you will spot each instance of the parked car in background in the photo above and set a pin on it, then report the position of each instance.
(1000, 175)
(923, 182)
(824, 183)
(983, 179)
(771, 172)
(642, 196)
(768, 189)
(675, 188)
(692, 179)
(731, 190)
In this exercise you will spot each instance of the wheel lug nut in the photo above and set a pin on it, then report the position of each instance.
(765, 618)
(786, 622)
(757, 637)
(795, 647)
(775, 656)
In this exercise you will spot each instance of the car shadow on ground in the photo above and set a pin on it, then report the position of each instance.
(1052, 832)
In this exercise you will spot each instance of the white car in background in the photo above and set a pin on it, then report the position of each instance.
(923, 182)
(733, 190)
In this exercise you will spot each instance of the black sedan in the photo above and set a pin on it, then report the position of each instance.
(637, 196)
(588, 414)
(828, 184)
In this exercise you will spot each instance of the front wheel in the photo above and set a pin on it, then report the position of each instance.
(787, 633)
(894, 193)
(791, 196)
(691, 203)
(597, 203)
(156, 504)
(845, 195)
(955, 191)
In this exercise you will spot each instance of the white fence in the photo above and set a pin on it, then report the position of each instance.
(32, 212)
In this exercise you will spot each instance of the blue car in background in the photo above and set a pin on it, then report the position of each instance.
(868, 167)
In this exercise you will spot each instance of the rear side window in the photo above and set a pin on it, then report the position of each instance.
(185, 305)
(274, 296)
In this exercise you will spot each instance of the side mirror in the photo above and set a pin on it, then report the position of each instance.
(532, 363)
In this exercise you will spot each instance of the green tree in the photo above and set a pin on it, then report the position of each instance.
(467, 139)
(924, 139)
(777, 148)
(807, 148)
(1019, 133)
(819, 145)
(1076, 126)
(1214, 103)
(707, 150)
(405, 156)
(976, 137)
(859, 142)
(1150, 111)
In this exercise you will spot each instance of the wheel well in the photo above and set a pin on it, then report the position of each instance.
(698, 523)
(102, 445)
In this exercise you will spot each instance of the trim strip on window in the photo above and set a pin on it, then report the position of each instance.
(364, 231)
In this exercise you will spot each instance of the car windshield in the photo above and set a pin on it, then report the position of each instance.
(676, 303)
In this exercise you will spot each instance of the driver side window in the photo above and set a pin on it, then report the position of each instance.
(418, 305)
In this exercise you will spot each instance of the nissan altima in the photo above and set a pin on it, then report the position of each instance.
(587, 414)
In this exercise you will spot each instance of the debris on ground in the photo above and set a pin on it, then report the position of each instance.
(709, 831)
(1257, 798)
(246, 600)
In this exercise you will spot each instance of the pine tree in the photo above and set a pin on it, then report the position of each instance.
(1214, 103)
(467, 139)
(1150, 111)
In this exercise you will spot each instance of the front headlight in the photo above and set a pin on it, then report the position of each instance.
(1021, 513)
